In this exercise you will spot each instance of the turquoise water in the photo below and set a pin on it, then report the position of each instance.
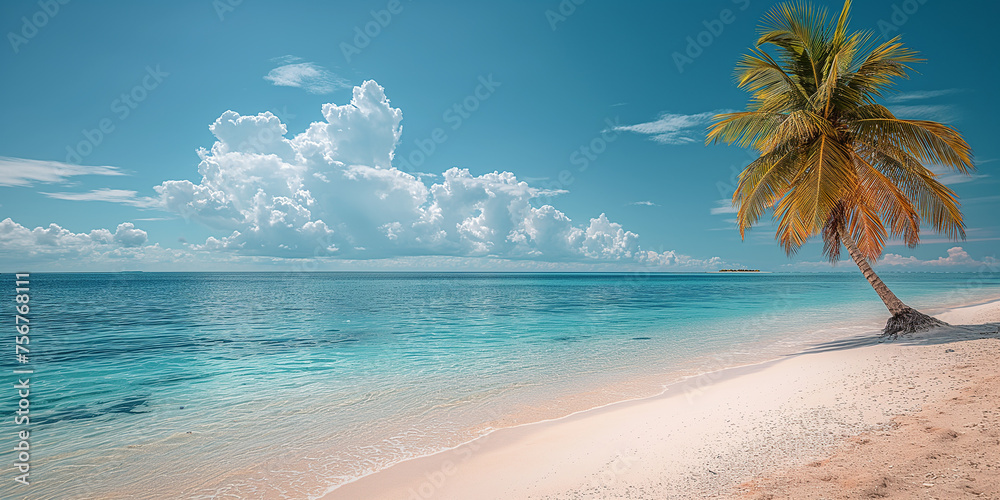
(194, 385)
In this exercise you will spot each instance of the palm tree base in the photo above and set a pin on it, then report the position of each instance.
(909, 321)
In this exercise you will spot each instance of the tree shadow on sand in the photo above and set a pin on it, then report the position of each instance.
(936, 336)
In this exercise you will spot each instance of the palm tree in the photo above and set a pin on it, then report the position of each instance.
(833, 161)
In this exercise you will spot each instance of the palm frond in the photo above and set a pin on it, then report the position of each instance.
(833, 161)
(928, 141)
(762, 183)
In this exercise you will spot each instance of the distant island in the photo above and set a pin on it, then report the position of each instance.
(739, 270)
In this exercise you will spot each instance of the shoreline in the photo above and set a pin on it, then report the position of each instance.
(341, 432)
(452, 472)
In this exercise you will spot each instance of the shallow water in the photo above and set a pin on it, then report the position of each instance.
(194, 385)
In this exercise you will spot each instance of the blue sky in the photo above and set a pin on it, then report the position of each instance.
(525, 135)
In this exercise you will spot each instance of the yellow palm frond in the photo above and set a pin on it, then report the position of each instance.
(833, 161)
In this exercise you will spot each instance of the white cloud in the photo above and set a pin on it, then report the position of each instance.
(286, 59)
(127, 235)
(981, 199)
(723, 206)
(306, 75)
(644, 203)
(957, 256)
(331, 192)
(674, 129)
(732, 227)
(54, 248)
(948, 176)
(109, 195)
(54, 239)
(23, 172)
(937, 112)
(918, 95)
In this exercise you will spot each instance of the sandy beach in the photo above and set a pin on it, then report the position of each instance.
(854, 418)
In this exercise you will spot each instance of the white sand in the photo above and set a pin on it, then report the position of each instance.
(707, 435)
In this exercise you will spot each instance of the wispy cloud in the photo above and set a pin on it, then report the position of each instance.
(949, 177)
(644, 203)
(981, 199)
(723, 206)
(939, 112)
(673, 128)
(122, 196)
(937, 241)
(311, 77)
(24, 172)
(973, 234)
(918, 95)
(732, 226)
(913, 110)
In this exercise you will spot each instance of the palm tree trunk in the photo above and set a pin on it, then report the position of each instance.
(892, 302)
(904, 318)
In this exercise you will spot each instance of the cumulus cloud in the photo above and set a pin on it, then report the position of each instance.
(54, 239)
(127, 235)
(673, 128)
(54, 248)
(957, 256)
(331, 191)
(24, 172)
(306, 75)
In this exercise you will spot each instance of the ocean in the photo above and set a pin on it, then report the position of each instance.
(282, 385)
